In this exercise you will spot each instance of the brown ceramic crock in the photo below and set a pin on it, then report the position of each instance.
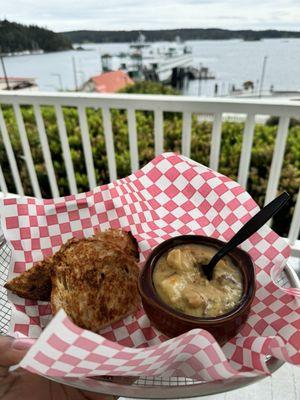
(172, 322)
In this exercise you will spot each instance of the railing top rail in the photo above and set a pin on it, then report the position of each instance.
(277, 107)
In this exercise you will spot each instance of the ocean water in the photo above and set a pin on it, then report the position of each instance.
(231, 61)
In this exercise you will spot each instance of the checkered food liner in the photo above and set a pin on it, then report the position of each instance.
(170, 196)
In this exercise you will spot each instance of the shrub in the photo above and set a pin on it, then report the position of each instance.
(149, 87)
(271, 121)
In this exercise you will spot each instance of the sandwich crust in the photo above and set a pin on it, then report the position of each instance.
(34, 284)
(93, 279)
(95, 282)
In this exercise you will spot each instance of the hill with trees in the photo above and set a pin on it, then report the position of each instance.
(17, 37)
(170, 35)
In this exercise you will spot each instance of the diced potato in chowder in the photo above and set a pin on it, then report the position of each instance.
(181, 283)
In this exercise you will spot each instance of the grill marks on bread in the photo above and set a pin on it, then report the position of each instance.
(95, 282)
(94, 279)
(34, 284)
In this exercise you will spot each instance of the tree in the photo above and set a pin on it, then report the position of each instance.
(17, 37)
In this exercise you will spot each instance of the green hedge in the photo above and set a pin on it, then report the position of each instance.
(262, 151)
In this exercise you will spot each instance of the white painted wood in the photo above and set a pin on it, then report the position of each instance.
(220, 396)
(277, 159)
(66, 149)
(46, 150)
(87, 149)
(10, 155)
(296, 379)
(251, 392)
(283, 384)
(215, 142)
(2, 182)
(152, 102)
(158, 132)
(295, 225)
(133, 143)
(109, 143)
(186, 133)
(26, 150)
(246, 150)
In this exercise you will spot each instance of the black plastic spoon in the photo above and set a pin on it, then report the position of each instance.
(246, 231)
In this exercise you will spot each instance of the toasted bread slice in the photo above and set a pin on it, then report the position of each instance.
(123, 239)
(95, 282)
(34, 284)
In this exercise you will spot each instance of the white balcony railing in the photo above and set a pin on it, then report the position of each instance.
(158, 104)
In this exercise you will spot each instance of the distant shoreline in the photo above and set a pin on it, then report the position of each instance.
(16, 38)
(18, 54)
(83, 36)
(171, 41)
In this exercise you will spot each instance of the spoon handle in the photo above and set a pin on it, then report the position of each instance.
(252, 226)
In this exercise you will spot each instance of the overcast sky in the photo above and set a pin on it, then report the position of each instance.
(63, 15)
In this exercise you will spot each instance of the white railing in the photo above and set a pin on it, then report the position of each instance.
(158, 104)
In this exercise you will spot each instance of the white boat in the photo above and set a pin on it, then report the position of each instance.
(157, 58)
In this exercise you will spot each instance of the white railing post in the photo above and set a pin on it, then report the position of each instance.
(186, 133)
(295, 225)
(215, 142)
(109, 143)
(62, 131)
(158, 132)
(246, 150)
(3, 186)
(277, 159)
(46, 150)
(11, 156)
(133, 143)
(87, 149)
(27, 152)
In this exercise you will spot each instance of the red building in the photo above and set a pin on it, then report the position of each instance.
(108, 82)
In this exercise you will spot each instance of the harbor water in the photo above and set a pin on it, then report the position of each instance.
(231, 61)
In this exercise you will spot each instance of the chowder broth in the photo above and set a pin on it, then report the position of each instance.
(182, 285)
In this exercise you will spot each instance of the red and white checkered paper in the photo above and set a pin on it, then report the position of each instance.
(170, 196)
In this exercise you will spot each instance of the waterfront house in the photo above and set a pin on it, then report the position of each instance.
(108, 82)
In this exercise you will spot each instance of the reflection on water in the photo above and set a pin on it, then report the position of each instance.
(232, 61)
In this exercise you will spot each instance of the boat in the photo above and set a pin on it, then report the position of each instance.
(158, 59)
